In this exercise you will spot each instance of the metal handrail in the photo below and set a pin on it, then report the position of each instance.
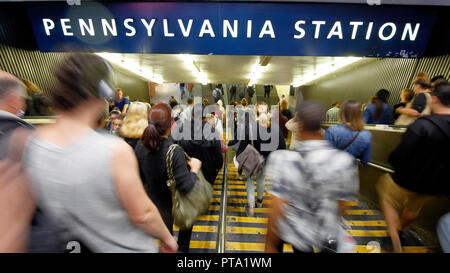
(220, 243)
(376, 166)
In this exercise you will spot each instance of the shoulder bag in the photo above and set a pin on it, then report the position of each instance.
(250, 160)
(187, 207)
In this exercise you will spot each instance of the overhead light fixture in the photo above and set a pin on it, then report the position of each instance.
(195, 68)
(131, 66)
(258, 69)
(324, 70)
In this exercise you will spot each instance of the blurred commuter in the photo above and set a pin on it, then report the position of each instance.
(134, 123)
(89, 182)
(12, 104)
(190, 88)
(217, 94)
(182, 91)
(350, 135)
(187, 112)
(251, 93)
(232, 92)
(437, 80)
(117, 124)
(406, 97)
(443, 232)
(308, 187)
(267, 89)
(284, 110)
(420, 162)
(151, 153)
(421, 105)
(16, 202)
(379, 112)
(205, 102)
(121, 102)
(173, 102)
(332, 113)
(207, 148)
(292, 125)
(273, 140)
(241, 91)
(112, 116)
(282, 120)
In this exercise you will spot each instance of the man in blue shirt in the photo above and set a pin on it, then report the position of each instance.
(121, 102)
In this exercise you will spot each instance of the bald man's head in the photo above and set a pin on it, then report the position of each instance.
(12, 93)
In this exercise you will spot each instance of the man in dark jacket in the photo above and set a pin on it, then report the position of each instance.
(420, 162)
(12, 103)
(206, 147)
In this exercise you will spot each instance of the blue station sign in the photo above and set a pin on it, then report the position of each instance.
(281, 29)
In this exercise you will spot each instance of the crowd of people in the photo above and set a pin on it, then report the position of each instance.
(104, 184)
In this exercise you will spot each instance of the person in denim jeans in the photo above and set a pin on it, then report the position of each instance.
(342, 135)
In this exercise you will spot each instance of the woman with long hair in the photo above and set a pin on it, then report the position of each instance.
(379, 112)
(134, 123)
(151, 153)
(350, 135)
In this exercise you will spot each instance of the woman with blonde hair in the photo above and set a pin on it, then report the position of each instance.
(350, 135)
(134, 123)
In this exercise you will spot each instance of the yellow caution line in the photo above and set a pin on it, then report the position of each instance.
(200, 228)
(239, 246)
(208, 218)
(368, 233)
(247, 230)
(240, 209)
(253, 246)
(406, 249)
(239, 193)
(242, 219)
(203, 244)
(367, 223)
(244, 200)
(362, 212)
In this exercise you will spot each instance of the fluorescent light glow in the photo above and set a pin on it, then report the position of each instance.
(131, 66)
(324, 70)
(189, 61)
(256, 73)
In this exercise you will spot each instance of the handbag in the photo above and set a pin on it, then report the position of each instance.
(250, 160)
(186, 207)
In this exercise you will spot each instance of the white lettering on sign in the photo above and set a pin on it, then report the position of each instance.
(267, 29)
(408, 30)
(317, 23)
(299, 29)
(249, 28)
(184, 30)
(111, 27)
(206, 28)
(336, 30)
(166, 29)
(148, 26)
(383, 27)
(227, 27)
(66, 27)
(48, 25)
(231, 28)
(127, 25)
(355, 28)
(84, 27)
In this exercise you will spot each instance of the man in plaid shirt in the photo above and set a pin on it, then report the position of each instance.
(309, 187)
(332, 113)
